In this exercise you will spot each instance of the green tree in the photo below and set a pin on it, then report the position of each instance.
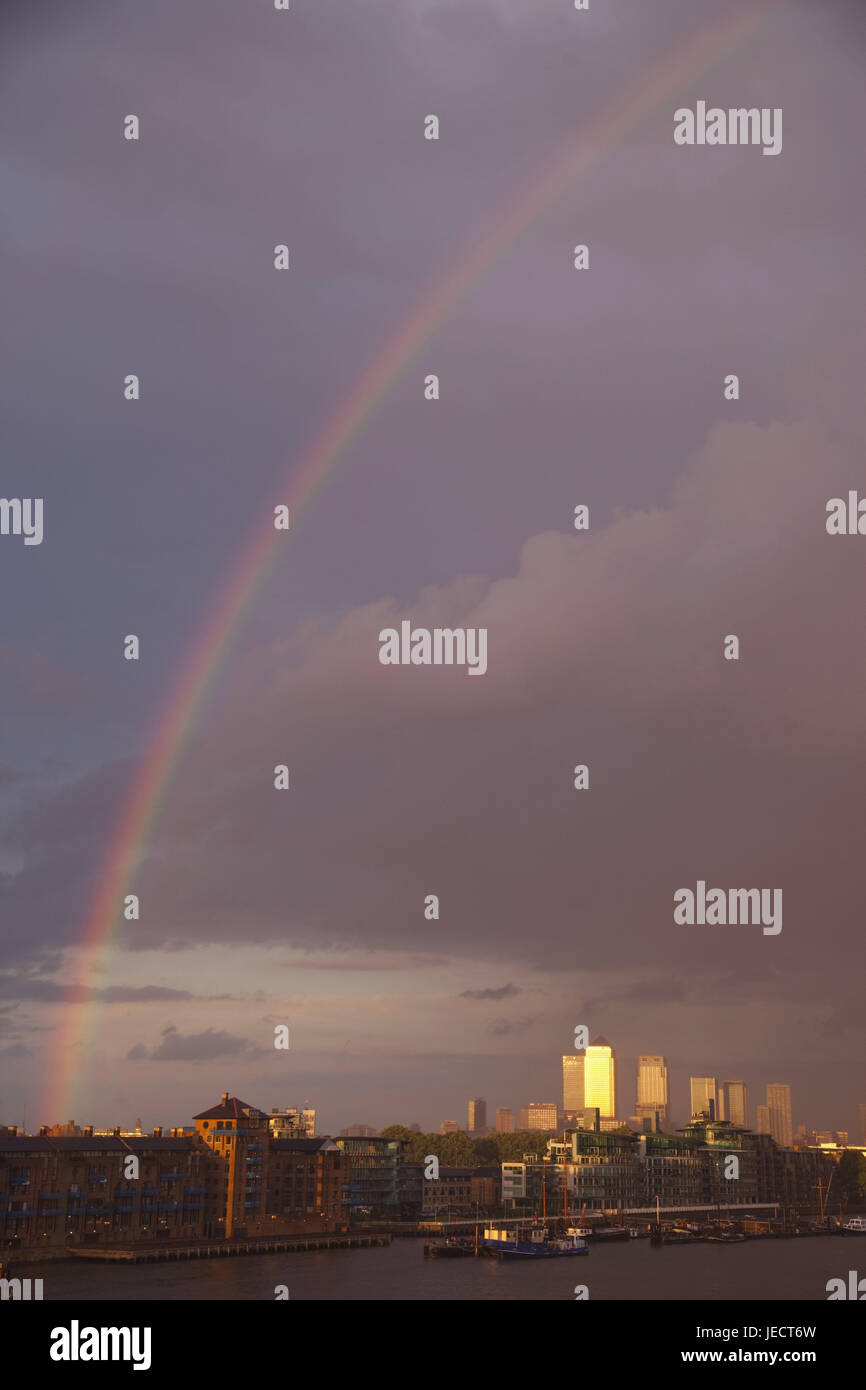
(851, 1175)
(396, 1132)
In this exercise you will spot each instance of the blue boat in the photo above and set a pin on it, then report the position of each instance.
(528, 1241)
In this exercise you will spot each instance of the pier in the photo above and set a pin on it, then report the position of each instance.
(224, 1249)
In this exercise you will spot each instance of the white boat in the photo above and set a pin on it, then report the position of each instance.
(855, 1226)
(530, 1241)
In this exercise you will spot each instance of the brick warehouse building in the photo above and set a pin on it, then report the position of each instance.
(226, 1176)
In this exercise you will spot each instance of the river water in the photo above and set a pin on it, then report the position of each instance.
(757, 1270)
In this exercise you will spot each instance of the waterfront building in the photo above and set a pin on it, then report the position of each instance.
(307, 1181)
(70, 1191)
(235, 1134)
(292, 1123)
(374, 1188)
(450, 1194)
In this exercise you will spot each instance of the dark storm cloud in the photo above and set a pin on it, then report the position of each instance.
(50, 992)
(557, 388)
(501, 992)
(194, 1047)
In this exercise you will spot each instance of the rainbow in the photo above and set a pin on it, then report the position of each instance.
(576, 156)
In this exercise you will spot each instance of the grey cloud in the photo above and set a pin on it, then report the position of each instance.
(194, 1047)
(502, 992)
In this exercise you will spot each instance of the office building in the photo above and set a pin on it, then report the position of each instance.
(779, 1106)
(599, 1078)
(572, 1081)
(762, 1119)
(735, 1103)
(540, 1115)
(652, 1088)
(702, 1097)
(504, 1120)
(477, 1116)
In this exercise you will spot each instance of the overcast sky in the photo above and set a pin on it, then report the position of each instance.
(558, 387)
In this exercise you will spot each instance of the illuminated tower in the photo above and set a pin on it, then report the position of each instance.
(599, 1079)
(652, 1087)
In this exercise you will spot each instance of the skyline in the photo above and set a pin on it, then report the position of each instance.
(559, 388)
(673, 1115)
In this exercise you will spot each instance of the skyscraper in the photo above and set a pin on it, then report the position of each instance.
(652, 1087)
(477, 1115)
(572, 1081)
(599, 1078)
(504, 1120)
(702, 1091)
(543, 1115)
(779, 1106)
(762, 1120)
(736, 1103)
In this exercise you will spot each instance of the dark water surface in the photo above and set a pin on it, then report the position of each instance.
(761, 1269)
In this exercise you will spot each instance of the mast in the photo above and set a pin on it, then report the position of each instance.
(564, 1187)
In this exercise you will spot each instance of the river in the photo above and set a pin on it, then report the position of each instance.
(757, 1270)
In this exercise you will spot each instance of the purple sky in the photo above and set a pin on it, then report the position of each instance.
(605, 648)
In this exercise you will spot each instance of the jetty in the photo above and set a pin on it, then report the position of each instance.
(224, 1249)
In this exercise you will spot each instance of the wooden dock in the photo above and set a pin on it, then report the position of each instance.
(224, 1249)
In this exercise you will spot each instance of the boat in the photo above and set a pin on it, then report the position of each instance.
(451, 1248)
(638, 1232)
(611, 1233)
(855, 1226)
(528, 1241)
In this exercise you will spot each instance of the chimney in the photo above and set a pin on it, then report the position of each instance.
(224, 1098)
